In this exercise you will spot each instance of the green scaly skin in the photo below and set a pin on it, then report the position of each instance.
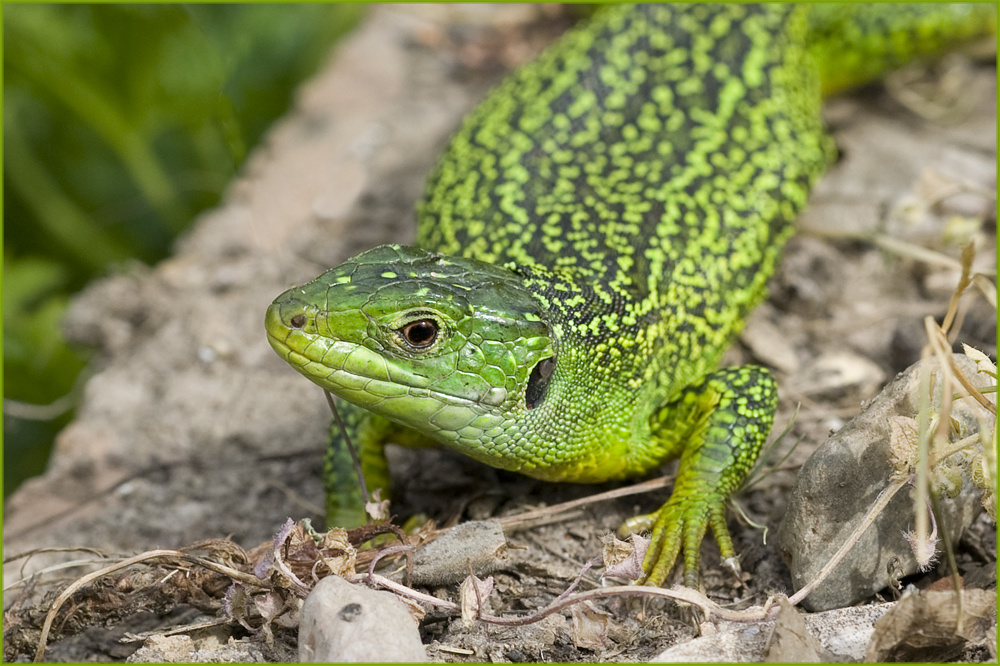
(589, 245)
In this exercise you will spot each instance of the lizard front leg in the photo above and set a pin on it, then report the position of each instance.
(717, 429)
(369, 433)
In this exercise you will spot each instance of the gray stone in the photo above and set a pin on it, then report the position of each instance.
(843, 634)
(182, 649)
(477, 544)
(842, 479)
(343, 622)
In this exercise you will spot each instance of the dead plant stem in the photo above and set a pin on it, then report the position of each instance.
(142, 557)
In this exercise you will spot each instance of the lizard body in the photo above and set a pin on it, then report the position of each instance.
(588, 246)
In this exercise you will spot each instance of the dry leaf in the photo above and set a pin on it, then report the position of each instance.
(790, 640)
(269, 605)
(932, 626)
(378, 508)
(590, 626)
(337, 553)
(417, 612)
(236, 604)
(624, 558)
(469, 597)
(983, 362)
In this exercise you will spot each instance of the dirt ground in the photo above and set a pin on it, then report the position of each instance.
(191, 428)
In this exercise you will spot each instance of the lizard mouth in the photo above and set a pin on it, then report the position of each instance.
(339, 380)
(424, 409)
(365, 378)
(324, 359)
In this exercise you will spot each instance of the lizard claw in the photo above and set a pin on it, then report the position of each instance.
(680, 526)
(733, 564)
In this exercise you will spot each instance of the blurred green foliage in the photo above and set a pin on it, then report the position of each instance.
(121, 122)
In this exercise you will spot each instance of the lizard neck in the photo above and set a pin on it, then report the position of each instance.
(592, 422)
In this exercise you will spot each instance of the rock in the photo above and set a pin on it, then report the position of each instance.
(842, 479)
(164, 649)
(856, 634)
(768, 342)
(343, 622)
(182, 648)
(842, 634)
(479, 544)
(838, 373)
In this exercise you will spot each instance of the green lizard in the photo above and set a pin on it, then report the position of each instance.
(589, 244)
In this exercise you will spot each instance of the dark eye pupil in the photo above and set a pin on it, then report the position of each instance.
(420, 333)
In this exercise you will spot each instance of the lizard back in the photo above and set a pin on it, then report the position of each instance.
(672, 134)
(659, 160)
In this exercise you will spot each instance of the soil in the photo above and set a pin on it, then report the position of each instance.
(191, 428)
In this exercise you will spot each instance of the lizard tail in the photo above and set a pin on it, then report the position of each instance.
(853, 43)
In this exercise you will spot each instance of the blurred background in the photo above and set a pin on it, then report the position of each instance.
(121, 123)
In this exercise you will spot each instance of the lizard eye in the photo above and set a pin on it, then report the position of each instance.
(538, 382)
(420, 334)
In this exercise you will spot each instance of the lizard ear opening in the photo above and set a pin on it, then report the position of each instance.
(538, 382)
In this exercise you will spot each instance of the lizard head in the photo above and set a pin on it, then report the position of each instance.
(454, 348)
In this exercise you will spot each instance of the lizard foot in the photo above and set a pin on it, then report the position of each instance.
(680, 525)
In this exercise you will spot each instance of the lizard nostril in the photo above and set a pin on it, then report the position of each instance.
(298, 321)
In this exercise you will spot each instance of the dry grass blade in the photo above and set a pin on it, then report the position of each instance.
(987, 288)
(687, 595)
(518, 521)
(84, 580)
(968, 253)
(168, 555)
(974, 392)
